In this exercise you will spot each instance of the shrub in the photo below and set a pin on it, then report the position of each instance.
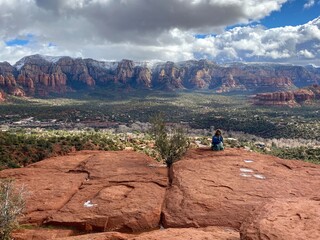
(12, 204)
(171, 145)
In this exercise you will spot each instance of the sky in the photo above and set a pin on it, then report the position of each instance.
(286, 31)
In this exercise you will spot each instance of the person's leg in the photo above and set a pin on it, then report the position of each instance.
(220, 146)
(215, 147)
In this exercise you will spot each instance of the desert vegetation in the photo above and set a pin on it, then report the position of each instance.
(12, 203)
(107, 119)
(22, 147)
(200, 110)
(171, 143)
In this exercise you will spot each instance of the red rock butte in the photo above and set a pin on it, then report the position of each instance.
(228, 195)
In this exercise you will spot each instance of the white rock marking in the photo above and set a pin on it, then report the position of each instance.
(248, 161)
(245, 175)
(259, 176)
(89, 204)
(246, 170)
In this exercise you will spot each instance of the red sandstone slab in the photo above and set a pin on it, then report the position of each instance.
(294, 219)
(222, 188)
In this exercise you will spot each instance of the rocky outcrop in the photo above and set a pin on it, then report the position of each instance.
(94, 191)
(275, 99)
(41, 75)
(42, 234)
(16, 91)
(215, 233)
(213, 195)
(8, 81)
(125, 71)
(2, 96)
(143, 76)
(76, 70)
(304, 96)
(7, 78)
(296, 218)
(223, 188)
(316, 90)
(168, 76)
(291, 98)
(198, 74)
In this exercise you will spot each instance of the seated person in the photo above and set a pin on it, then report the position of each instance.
(217, 141)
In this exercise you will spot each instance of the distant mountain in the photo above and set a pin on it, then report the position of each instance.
(41, 75)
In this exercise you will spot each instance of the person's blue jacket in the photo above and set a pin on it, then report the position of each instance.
(216, 140)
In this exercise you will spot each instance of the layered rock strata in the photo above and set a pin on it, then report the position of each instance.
(290, 98)
(42, 75)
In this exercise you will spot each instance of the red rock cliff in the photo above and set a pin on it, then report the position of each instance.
(291, 98)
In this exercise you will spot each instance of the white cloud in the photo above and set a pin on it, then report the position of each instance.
(285, 44)
(309, 4)
(152, 29)
(305, 53)
(116, 20)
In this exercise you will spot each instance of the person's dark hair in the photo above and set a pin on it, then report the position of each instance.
(218, 132)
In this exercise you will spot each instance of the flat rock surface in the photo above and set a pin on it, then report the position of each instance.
(126, 195)
(41, 234)
(294, 219)
(94, 191)
(222, 188)
(210, 233)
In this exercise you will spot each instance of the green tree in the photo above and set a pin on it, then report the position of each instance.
(173, 144)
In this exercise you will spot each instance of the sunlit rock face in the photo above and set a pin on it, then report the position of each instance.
(2, 96)
(205, 195)
(42, 75)
(290, 98)
(18, 92)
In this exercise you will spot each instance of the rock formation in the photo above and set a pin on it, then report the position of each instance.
(41, 75)
(2, 96)
(143, 76)
(295, 218)
(97, 191)
(16, 91)
(168, 76)
(290, 98)
(214, 195)
(216, 233)
(225, 188)
(125, 71)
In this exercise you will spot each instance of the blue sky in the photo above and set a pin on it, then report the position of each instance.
(20, 41)
(292, 13)
(222, 31)
(17, 42)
